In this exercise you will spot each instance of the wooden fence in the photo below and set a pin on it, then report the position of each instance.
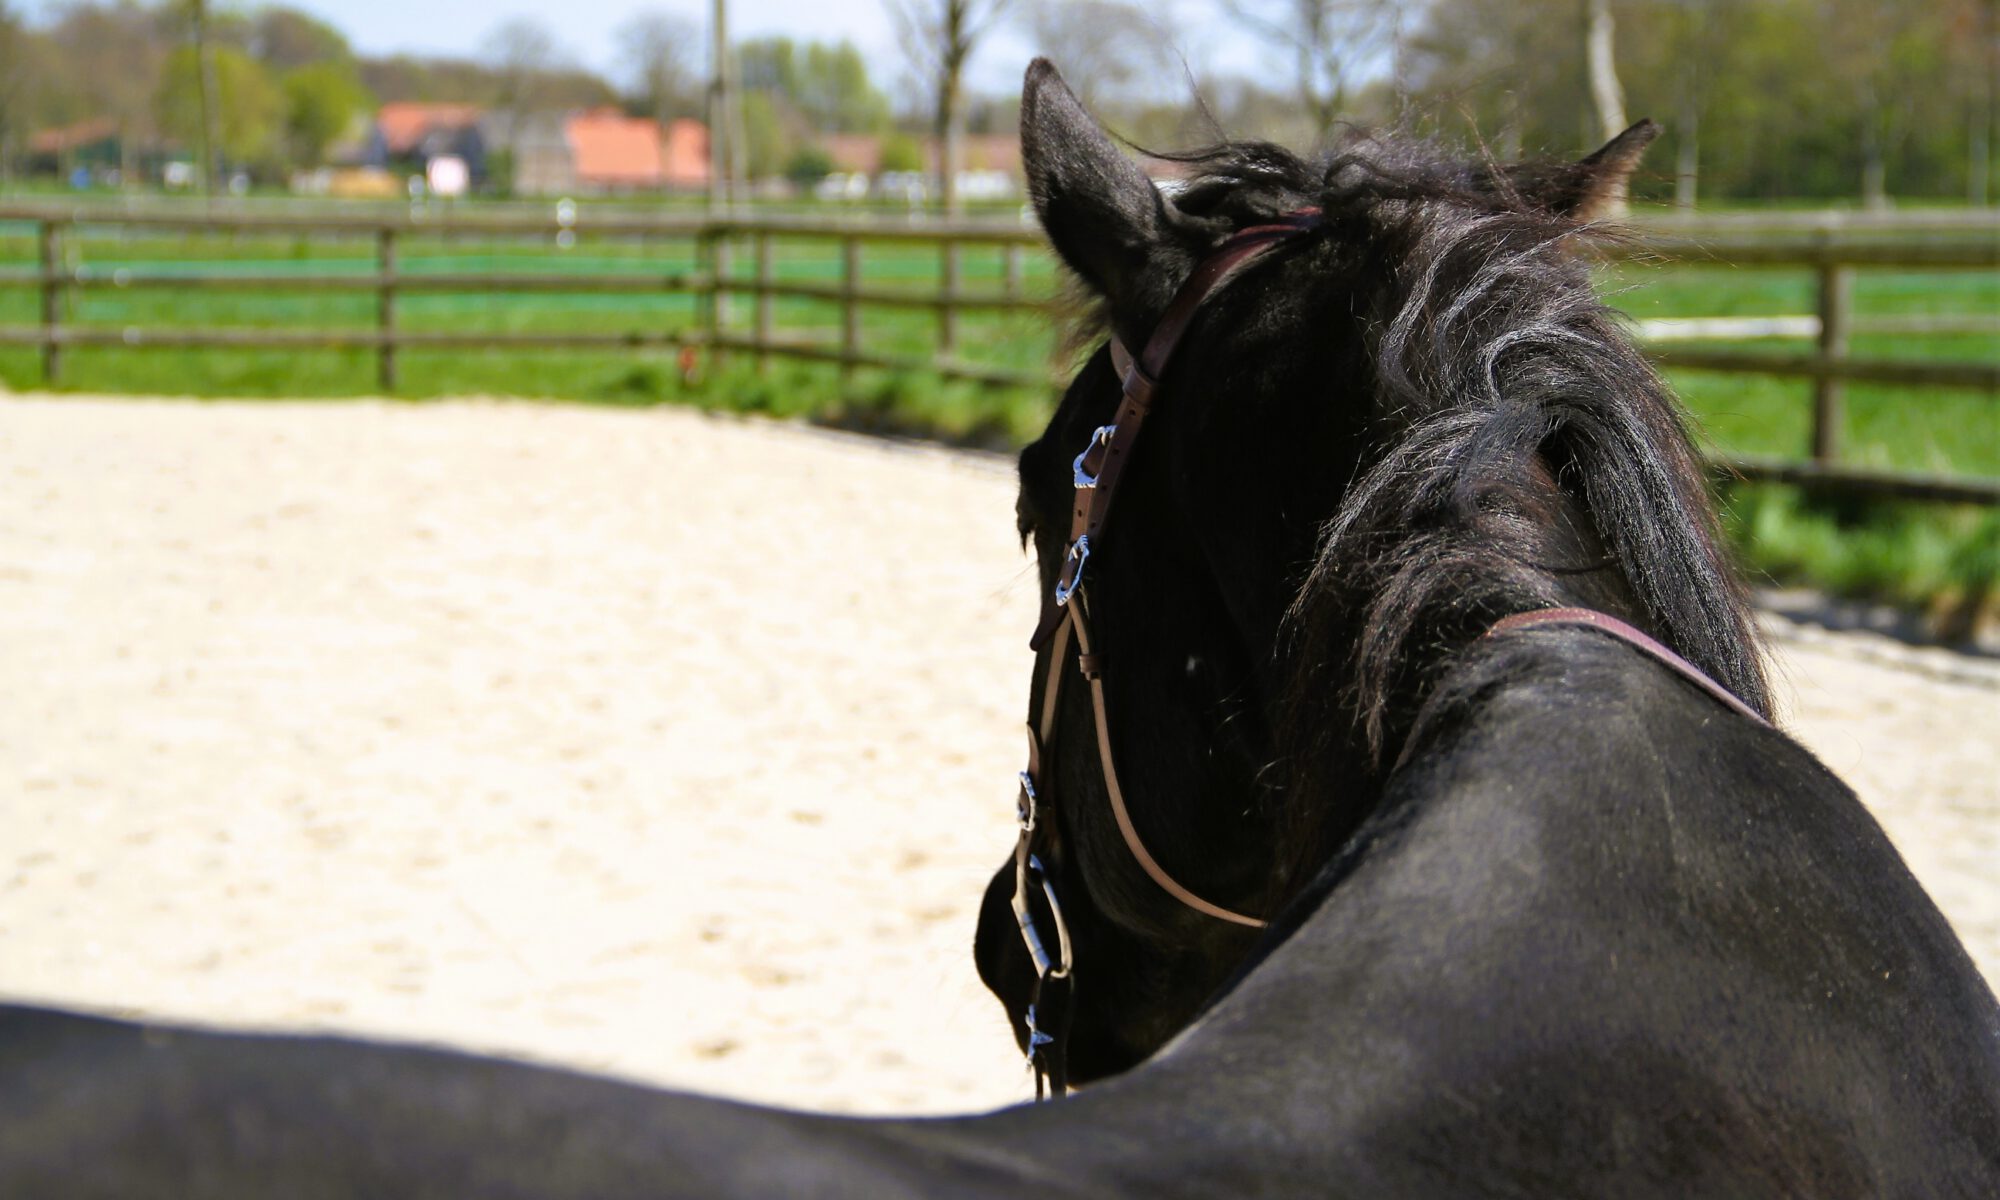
(1833, 251)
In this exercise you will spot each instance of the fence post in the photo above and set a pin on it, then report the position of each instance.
(948, 310)
(716, 244)
(764, 279)
(1013, 283)
(53, 278)
(850, 306)
(1836, 295)
(385, 265)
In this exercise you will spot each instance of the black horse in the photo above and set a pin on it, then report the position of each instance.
(1547, 915)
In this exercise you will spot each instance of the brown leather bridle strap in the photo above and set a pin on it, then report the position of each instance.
(1104, 458)
(1073, 622)
(1098, 470)
(1605, 623)
(1119, 812)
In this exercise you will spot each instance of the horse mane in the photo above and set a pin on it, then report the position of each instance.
(1524, 453)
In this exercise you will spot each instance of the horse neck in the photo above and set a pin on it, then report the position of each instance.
(1371, 646)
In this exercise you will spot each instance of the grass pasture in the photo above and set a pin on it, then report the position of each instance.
(1904, 553)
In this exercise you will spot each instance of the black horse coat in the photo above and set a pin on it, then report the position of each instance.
(1603, 938)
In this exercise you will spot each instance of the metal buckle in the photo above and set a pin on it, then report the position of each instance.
(1078, 475)
(1078, 554)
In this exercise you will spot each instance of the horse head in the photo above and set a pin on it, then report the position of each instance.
(1294, 384)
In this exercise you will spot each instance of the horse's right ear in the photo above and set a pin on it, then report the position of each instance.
(1100, 211)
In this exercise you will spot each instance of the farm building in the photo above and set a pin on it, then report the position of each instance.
(96, 151)
(408, 135)
(603, 150)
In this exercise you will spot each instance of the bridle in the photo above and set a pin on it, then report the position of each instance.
(1095, 475)
(1065, 619)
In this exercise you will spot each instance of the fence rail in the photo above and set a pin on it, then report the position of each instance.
(1833, 249)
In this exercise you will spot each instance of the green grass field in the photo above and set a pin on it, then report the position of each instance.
(1904, 553)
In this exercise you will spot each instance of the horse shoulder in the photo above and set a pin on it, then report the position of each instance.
(1604, 929)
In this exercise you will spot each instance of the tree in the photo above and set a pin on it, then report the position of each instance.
(900, 152)
(1135, 64)
(940, 37)
(523, 55)
(768, 144)
(206, 135)
(835, 93)
(824, 87)
(808, 165)
(1330, 43)
(249, 107)
(104, 60)
(285, 39)
(13, 84)
(660, 50)
(321, 101)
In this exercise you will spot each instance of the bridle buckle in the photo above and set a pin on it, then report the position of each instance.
(1081, 477)
(1072, 570)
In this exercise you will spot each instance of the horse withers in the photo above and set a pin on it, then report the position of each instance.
(1525, 907)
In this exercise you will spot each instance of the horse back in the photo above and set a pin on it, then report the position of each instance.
(1607, 937)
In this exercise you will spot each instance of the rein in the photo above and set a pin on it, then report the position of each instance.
(1096, 472)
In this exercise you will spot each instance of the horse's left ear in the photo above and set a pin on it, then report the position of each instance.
(1595, 186)
(1100, 211)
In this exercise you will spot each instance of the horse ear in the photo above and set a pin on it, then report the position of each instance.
(1595, 186)
(1100, 211)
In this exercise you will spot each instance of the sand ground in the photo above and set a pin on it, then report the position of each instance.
(652, 743)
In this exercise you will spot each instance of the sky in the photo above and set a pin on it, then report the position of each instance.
(588, 27)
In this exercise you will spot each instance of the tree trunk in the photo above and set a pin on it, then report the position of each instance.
(1687, 154)
(1605, 94)
(1980, 154)
(950, 131)
(1874, 172)
(1979, 123)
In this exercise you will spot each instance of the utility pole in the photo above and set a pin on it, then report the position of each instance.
(722, 151)
(209, 167)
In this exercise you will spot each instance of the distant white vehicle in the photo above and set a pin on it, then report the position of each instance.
(447, 176)
(985, 185)
(842, 185)
(902, 185)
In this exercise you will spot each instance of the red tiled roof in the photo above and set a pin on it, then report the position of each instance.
(862, 152)
(857, 152)
(611, 148)
(686, 151)
(68, 137)
(404, 123)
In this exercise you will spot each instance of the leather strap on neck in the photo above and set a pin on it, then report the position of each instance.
(1590, 618)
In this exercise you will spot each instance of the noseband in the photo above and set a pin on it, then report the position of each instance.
(1095, 476)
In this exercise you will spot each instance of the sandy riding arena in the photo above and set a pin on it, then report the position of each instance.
(652, 743)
